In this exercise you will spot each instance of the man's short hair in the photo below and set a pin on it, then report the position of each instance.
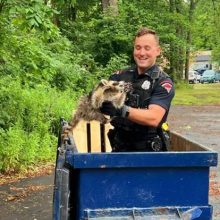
(145, 31)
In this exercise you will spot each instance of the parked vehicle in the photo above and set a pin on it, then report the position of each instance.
(217, 76)
(200, 71)
(193, 76)
(209, 76)
(198, 76)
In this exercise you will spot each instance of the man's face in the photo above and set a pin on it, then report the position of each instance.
(146, 50)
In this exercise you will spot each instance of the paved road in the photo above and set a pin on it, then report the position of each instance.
(31, 199)
(201, 124)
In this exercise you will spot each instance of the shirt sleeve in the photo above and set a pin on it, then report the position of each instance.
(163, 93)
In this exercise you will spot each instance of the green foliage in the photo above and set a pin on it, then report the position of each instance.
(52, 52)
(29, 123)
(116, 63)
(111, 39)
(41, 77)
(198, 94)
(10, 145)
(206, 29)
(181, 84)
(104, 36)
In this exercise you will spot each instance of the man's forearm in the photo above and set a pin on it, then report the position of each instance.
(151, 116)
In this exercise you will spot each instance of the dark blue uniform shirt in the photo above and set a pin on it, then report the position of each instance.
(154, 85)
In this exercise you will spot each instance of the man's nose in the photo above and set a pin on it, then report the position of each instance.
(142, 51)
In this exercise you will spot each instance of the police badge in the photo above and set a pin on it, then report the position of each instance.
(146, 85)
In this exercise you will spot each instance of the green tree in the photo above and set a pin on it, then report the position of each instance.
(206, 31)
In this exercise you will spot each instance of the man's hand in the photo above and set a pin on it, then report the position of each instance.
(108, 108)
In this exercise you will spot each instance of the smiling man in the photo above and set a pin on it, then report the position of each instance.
(146, 49)
(138, 124)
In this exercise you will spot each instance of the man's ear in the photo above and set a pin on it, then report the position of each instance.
(158, 51)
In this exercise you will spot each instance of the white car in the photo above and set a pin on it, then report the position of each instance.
(194, 77)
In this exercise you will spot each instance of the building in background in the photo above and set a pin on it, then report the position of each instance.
(201, 60)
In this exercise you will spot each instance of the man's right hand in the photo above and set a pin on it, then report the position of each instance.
(108, 108)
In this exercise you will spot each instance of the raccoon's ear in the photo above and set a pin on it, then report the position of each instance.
(104, 82)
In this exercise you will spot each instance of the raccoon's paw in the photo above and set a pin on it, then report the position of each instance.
(128, 87)
(106, 120)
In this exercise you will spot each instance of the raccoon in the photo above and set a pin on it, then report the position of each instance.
(106, 90)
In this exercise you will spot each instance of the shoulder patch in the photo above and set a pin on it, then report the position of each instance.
(166, 84)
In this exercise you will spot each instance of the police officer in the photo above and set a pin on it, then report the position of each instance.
(137, 125)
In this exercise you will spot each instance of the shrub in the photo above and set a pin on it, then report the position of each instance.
(29, 123)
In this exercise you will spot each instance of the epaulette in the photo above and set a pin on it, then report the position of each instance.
(159, 73)
(155, 74)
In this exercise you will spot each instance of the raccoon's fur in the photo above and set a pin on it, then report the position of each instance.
(88, 108)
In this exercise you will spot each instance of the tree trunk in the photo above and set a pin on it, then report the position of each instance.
(110, 6)
(72, 13)
(55, 20)
(180, 33)
(189, 36)
(172, 47)
(2, 4)
(105, 5)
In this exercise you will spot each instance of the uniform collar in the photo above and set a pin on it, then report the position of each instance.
(153, 72)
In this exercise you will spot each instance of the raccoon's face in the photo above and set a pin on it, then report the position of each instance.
(116, 86)
(112, 91)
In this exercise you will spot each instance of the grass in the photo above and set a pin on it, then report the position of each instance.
(198, 94)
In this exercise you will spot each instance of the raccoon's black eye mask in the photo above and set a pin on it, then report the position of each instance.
(115, 83)
(111, 91)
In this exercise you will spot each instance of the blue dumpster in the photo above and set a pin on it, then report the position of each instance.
(138, 185)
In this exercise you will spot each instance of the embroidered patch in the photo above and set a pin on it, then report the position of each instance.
(146, 85)
(166, 85)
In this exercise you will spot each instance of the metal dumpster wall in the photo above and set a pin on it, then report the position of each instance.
(143, 180)
(142, 188)
(137, 180)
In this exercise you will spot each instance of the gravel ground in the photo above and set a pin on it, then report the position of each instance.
(31, 199)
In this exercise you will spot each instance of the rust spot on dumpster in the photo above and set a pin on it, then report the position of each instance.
(214, 189)
(214, 186)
